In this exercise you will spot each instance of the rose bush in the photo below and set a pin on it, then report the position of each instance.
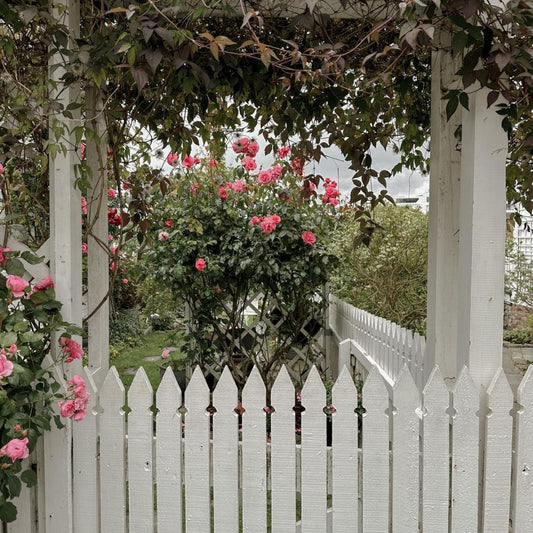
(29, 316)
(226, 234)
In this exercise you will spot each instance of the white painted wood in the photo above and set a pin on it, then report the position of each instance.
(376, 463)
(254, 476)
(197, 497)
(444, 200)
(314, 501)
(344, 354)
(435, 454)
(405, 454)
(465, 455)
(345, 455)
(168, 455)
(283, 454)
(226, 455)
(499, 432)
(98, 256)
(523, 471)
(57, 468)
(140, 436)
(25, 504)
(112, 455)
(482, 243)
(86, 510)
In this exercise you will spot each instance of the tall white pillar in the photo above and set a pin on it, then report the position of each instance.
(482, 240)
(98, 255)
(443, 239)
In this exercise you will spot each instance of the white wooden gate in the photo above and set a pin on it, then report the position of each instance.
(410, 463)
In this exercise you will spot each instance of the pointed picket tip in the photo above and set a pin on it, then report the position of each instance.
(254, 380)
(169, 384)
(375, 382)
(435, 383)
(466, 392)
(225, 393)
(344, 383)
(90, 387)
(405, 381)
(499, 391)
(525, 389)
(313, 383)
(140, 394)
(283, 381)
(112, 391)
(197, 382)
(254, 391)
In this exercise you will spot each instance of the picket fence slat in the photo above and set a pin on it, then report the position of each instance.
(405, 454)
(465, 455)
(435, 454)
(283, 455)
(314, 455)
(498, 457)
(376, 462)
(112, 455)
(254, 482)
(345, 455)
(197, 497)
(58, 487)
(523, 471)
(25, 509)
(140, 438)
(86, 510)
(225, 455)
(168, 455)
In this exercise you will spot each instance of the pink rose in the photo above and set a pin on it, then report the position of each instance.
(71, 349)
(276, 171)
(82, 151)
(276, 219)
(265, 177)
(17, 285)
(200, 264)
(44, 284)
(254, 221)
(165, 353)
(79, 415)
(110, 237)
(163, 236)
(6, 366)
(67, 408)
(213, 163)
(252, 149)
(222, 192)
(13, 349)
(248, 163)
(111, 193)
(239, 146)
(308, 237)
(172, 159)
(84, 248)
(189, 161)
(16, 449)
(83, 205)
(268, 225)
(283, 152)
(193, 188)
(125, 281)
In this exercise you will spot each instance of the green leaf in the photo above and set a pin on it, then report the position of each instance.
(15, 267)
(7, 339)
(29, 477)
(463, 100)
(451, 106)
(8, 512)
(459, 41)
(14, 485)
(31, 258)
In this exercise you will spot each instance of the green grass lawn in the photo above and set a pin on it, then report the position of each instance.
(153, 343)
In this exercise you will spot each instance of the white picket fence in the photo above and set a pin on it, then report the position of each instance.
(376, 341)
(420, 462)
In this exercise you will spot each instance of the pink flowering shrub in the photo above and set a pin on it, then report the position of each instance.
(29, 394)
(240, 231)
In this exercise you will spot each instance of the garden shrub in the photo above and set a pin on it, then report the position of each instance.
(125, 328)
(227, 235)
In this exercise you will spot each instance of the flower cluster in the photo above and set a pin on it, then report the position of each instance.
(331, 194)
(245, 146)
(76, 406)
(270, 175)
(268, 224)
(71, 349)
